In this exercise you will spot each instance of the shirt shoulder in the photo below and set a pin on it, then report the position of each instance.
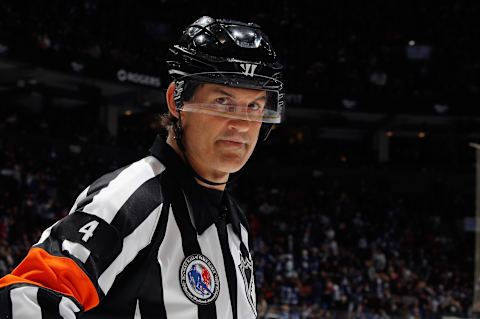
(120, 189)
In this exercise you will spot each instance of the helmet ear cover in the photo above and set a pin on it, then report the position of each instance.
(184, 91)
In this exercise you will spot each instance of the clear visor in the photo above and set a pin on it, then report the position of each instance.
(236, 103)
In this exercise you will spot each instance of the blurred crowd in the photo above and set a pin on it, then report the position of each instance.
(395, 57)
(324, 245)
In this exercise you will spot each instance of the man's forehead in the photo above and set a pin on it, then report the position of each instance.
(234, 92)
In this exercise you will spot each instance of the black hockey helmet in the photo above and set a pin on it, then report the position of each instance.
(231, 53)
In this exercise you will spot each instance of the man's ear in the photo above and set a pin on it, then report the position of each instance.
(172, 108)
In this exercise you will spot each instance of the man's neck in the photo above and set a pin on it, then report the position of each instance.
(208, 176)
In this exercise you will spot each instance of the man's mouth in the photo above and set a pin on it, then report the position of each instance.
(232, 141)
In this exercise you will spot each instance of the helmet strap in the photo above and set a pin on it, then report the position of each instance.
(265, 131)
(178, 130)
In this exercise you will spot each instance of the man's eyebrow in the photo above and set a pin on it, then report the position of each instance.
(263, 97)
(222, 91)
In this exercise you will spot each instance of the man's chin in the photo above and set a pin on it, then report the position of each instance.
(231, 166)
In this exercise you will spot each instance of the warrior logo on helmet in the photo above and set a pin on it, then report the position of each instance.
(248, 69)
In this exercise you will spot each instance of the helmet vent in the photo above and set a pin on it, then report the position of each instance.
(244, 37)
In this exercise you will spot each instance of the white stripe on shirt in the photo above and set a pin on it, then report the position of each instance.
(138, 315)
(25, 303)
(210, 246)
(155, 164)
(111, 198)
(67, 308)
(177, 305)
(76, 250)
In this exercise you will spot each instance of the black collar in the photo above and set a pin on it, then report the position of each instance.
(205, 203)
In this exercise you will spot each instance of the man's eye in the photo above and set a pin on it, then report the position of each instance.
(254, 107)
(223, 101)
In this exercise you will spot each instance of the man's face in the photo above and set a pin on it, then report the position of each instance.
(216, 143)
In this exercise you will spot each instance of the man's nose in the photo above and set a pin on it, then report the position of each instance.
(239, 125)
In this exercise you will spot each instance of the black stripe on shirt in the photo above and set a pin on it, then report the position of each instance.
(49, 304)
(5, 302)
(230, 269)
(190, 243)
(138, 206)
(151, 302)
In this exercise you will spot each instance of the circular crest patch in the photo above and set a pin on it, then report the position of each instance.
(199, 279)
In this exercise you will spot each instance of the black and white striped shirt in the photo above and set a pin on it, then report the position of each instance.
(144, 241)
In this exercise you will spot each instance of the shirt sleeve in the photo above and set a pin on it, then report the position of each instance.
(59, 275)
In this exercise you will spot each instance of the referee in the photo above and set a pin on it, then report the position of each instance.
(162, 237)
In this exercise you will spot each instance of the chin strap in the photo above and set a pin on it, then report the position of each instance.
(178, 129)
